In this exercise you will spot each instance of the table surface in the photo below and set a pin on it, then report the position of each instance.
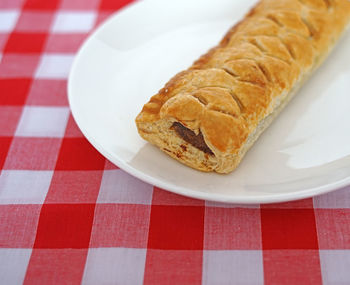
(68, 216)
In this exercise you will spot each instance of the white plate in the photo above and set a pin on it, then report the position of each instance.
(305, 152)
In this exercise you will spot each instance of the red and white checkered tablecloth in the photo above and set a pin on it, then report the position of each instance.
(68, 216)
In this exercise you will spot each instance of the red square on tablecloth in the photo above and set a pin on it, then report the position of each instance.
(113, 5)
(50, 266)
(79, 154)
(33, 153)
(292, 267)
(18, 225)
(9, 117)
(65, 226)
(232, 228)
(41, 4)
(14, 91)
(72, 129)
(48, 92)
(173, 267)
(74, 187)
(25, 43)
(333, 227)
(288, 229)
(176, 227)
(120, 225)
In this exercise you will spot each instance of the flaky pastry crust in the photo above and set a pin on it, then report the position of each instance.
(227, 98)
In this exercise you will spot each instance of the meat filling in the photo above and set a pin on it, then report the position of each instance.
(190, 137)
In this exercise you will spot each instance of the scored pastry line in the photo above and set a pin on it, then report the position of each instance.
(285, 45)
(265, 53)
(260, 63)
(274, 19)
(326, 2)
(237, 77)
(205, 103)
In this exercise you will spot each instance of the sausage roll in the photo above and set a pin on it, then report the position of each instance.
(209, 115)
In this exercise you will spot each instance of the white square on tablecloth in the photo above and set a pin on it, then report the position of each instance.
(119, 187)
(8, 20)
(335, 265)
(24, 186)
(14, 262)
(334, 200)
(74, 22)
(232, 267)
(114, 266)
(54, 66)
(43, 122)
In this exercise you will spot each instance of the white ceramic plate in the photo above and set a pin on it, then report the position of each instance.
(305, 152)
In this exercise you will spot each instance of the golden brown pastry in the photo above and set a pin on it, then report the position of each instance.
(208, 116)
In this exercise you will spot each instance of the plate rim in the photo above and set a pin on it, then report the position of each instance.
(222, 198)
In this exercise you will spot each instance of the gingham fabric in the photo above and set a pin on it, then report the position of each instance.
(68, 216)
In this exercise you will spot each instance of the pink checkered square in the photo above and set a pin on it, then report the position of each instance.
(10, 4)
(290, 267)
(34, 21)
(9, 117)
(14, 264)
(115, 266)
(52, 266)
(79, 4)
(18, 225)
(232, 267)
(42, 156)
(74, 187)
(72, 130)
(18, 65)
(64, 43)
(162, 197)
(333, 228)
(114, 224)
(3, 40)
(173, 267)
(239, 228)
(48, 92)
